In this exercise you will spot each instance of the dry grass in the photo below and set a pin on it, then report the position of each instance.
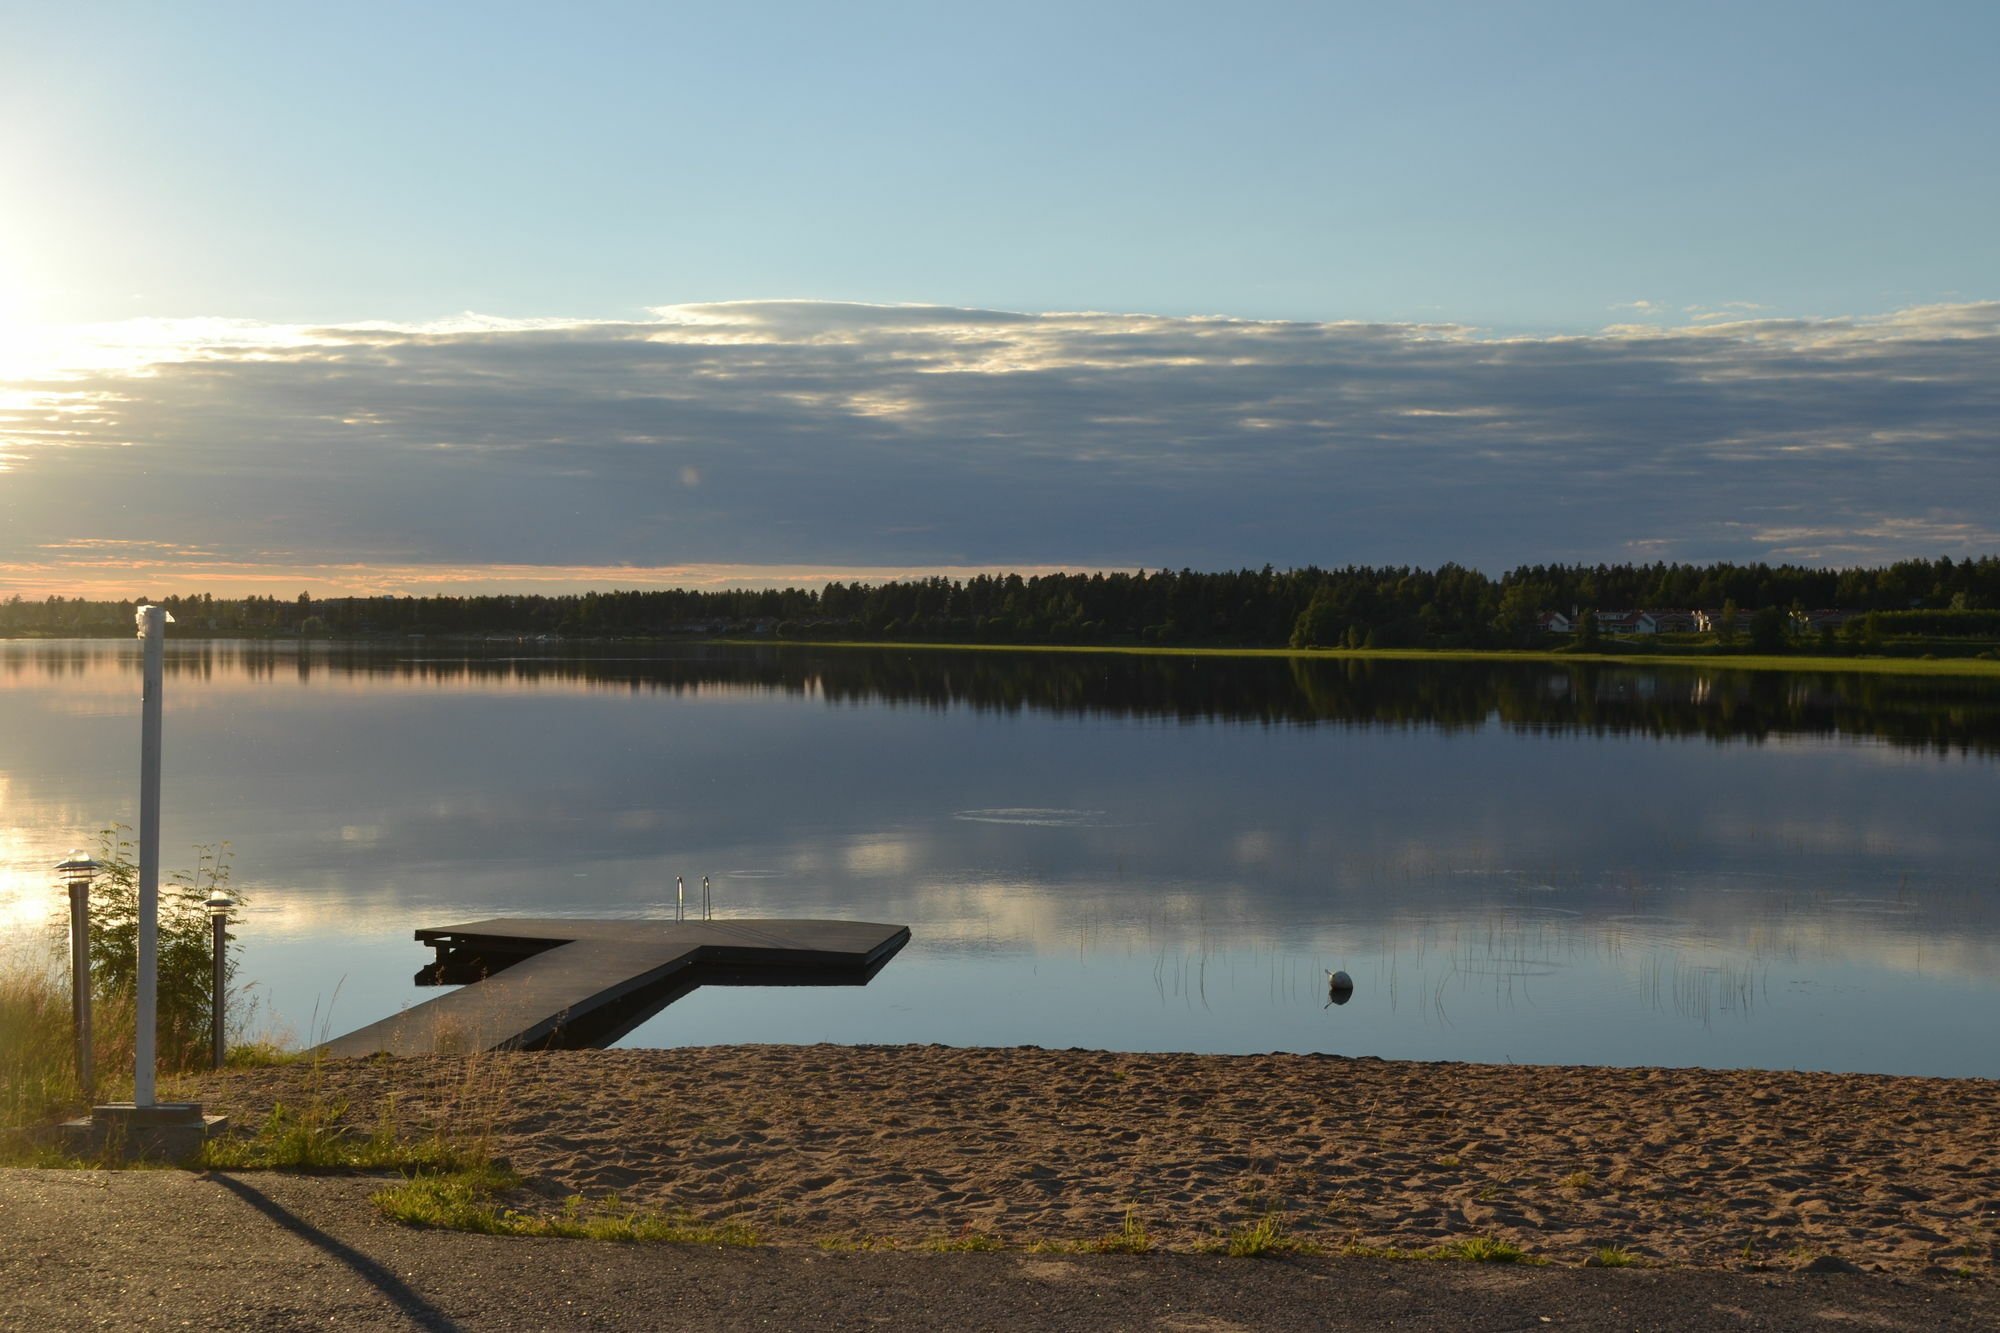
(38, 1082)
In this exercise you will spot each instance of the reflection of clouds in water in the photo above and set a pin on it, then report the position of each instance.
(1035, 816)
(1255, 847)
(878, 854)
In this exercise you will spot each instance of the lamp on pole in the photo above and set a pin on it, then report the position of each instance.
(78, 872)
(219, 905)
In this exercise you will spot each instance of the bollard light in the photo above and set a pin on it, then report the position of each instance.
(78, 872)
(219, 905)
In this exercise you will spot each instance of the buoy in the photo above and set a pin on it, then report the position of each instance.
(1339, 988)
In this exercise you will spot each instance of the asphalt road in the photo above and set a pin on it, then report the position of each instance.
(252, 1250)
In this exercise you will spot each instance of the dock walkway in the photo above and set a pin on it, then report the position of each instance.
(536, 982)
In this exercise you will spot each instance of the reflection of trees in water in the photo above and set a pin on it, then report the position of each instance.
(1949, 714)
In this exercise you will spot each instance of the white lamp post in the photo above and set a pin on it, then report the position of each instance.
(145, 1126)
(152, 621)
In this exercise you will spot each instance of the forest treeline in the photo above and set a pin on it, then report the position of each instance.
(1913, 602)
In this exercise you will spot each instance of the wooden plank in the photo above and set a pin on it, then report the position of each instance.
(578, 977)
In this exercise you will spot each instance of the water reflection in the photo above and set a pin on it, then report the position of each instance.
(1949, 714)
(1523, 861)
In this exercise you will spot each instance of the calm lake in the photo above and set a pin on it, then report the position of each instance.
(1525, 862)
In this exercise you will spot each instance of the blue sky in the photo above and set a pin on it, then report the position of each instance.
(1537, 172)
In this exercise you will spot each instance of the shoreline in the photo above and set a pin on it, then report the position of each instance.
(893, 1147)
(1969, 665)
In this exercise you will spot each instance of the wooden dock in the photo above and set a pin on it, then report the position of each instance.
(535, 983)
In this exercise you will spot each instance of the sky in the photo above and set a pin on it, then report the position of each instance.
(365, 297)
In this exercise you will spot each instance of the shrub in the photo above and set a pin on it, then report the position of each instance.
(184, 964)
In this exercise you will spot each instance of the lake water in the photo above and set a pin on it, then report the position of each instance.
(1524, 862)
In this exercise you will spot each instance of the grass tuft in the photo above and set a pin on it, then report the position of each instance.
(1474, 1249)
(1267, 1235)
(313, 1139)
(1130, 1238)
(966, 1241)
(1611, 1256)
(1482, 1250)
(468, 1200)
(847, 1243)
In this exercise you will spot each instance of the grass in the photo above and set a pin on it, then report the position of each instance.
(1130, 1238)
(469, 1200)
(1881, 666)
(37, 1052)
(967, 1241)
(1265, 1236)
(311, 1138)
(843, 1244)
(1473, 1249)
(1614, 1256)
(38, 1077)
(1482, 1250)
(263, 1053)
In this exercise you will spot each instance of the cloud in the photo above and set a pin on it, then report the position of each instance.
(813, 434)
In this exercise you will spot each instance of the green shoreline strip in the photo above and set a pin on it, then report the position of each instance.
(1877, 666)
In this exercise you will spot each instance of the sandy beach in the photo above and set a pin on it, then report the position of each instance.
(852, 1145)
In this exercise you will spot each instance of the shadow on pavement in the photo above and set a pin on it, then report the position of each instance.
(421, 1311)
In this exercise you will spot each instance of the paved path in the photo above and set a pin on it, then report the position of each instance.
(583, 977)
(264, 1251)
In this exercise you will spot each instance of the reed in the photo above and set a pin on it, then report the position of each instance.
(37, 1049)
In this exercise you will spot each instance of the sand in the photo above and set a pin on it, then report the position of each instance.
(903, 1144)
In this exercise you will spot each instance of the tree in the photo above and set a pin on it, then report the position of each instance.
(1767, 631)
(1320, 625)
(1588, 640)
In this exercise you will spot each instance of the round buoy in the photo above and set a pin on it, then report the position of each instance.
(1339, 987)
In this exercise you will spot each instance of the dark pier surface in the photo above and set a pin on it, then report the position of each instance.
(533, 983)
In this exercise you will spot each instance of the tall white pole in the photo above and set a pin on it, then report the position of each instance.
(152, 629)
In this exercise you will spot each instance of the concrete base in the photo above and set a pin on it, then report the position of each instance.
(162, 1132)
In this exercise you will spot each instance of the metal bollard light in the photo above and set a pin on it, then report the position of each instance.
(218, 905)
(78, 873)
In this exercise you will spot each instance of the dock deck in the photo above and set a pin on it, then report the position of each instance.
(532, 983)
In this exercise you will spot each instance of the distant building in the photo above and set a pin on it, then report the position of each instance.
(1626, 624)
(1827, 619)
